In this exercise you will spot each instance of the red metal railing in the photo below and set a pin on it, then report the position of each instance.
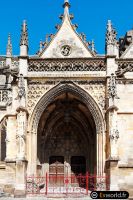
(59, 184)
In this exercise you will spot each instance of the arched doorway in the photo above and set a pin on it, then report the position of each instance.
(66, 137)
(66, 124)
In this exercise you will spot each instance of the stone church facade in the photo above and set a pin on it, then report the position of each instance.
(68, 104)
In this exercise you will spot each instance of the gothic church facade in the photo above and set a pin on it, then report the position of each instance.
(67, 105)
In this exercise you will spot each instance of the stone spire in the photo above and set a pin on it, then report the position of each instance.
(24, 40)
(9, 47)
(111, 40)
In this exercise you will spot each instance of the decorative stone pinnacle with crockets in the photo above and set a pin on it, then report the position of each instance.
(24, 34)
(9, 46)
(111, 34)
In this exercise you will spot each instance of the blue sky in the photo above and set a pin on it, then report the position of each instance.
(42, 16)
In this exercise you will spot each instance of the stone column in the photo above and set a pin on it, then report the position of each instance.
(21, 134)
(11, 138)
(111, 122)
(10, 152)
(33, 153)
(114, 135)
(21, 162)
(113, 158)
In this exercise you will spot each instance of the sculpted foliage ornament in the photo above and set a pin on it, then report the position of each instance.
(21, 86)
(3, 96)
(114, 134)
(112, 90)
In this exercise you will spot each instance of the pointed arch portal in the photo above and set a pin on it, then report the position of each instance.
(67, 133)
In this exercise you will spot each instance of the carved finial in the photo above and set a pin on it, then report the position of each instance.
(66, 7)
(9, 46)
(24, 34)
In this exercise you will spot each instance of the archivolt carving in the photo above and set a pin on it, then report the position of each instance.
(77, 91)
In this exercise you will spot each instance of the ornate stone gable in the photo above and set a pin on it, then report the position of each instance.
(66, 36)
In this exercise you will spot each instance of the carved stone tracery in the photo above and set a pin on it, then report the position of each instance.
(66, 65)
(123, 67)
(36, 89)
(5, 97)
(35, 92)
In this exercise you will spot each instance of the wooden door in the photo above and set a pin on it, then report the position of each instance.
(56, 170)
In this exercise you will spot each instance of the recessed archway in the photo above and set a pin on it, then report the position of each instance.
(84, 117)
(67, 134)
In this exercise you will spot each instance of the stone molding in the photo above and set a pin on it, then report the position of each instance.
(125, 165)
